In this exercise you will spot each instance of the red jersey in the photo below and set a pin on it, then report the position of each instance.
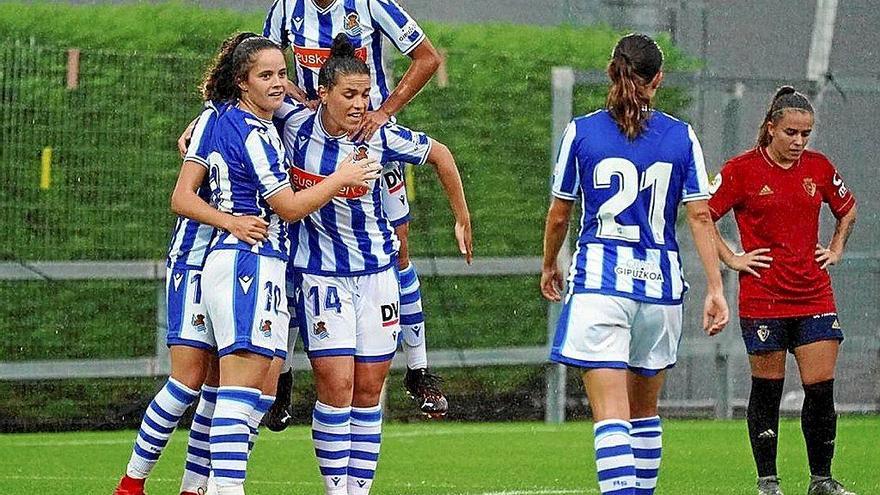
(778, 208)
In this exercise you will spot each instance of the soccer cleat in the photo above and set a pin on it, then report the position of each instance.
(827, 486)
(278, 418)
(769, 486)
(130, 486)
(424, 387)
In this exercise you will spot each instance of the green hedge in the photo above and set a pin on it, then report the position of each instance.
(114, 136)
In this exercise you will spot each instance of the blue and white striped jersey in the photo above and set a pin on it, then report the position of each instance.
(351, 235)
(630, 192)
(309, 32)
(190, 239)
(247, 166)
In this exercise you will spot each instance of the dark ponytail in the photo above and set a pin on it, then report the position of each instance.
(342, 61)
(785, 98)
(233, 61)
(635, 62)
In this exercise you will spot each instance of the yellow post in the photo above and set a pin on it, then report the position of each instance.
(46, 171)
(410, 183)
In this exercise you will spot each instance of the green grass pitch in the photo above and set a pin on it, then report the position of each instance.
(699, 457)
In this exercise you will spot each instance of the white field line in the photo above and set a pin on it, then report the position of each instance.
(273, 438)
(250, 481)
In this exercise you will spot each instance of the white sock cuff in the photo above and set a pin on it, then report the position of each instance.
(183, 388)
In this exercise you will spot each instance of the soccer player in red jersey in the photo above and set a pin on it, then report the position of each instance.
(776, 191)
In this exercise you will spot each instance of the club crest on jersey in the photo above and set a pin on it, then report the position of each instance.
(763, 332)
(320, 330)
(353, 24)
(266, 328)
(640, 270)
(198, 322)
(360, 153)
(810, 186)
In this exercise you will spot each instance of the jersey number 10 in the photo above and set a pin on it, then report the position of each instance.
(656, 178)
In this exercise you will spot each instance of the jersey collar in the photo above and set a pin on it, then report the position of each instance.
(320, 123)
(325, 9)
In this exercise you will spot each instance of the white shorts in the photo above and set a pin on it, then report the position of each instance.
(187, 320)
(394, 200)
(349, 316)
(247, 303)
(601, 331)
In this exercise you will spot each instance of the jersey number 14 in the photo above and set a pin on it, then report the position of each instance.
(656, 178)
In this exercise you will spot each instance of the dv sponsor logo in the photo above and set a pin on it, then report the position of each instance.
(390, 314)
(393, 179)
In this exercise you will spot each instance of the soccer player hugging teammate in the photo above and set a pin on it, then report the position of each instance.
(307, 28)
(776, 191)
(631, 166)
(245, 305)
(344, 268)
(190, 338)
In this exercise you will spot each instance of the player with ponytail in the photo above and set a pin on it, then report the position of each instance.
(786, 302)
(632, 166)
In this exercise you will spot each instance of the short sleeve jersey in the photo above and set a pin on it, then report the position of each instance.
(309, 31)
(351, 235)
(247, 166)
(630, 190)
(778, 208)
(190, 239)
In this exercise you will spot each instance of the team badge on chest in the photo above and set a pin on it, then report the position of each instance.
(352, 24)
(810, 186)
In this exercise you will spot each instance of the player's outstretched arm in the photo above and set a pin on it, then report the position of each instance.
(715, 310)
(555, 229)
(425, 61)
(447, 172)
(186, 202)
(294, 206)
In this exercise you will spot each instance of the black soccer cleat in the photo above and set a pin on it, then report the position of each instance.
(278, 418)
(424, 388)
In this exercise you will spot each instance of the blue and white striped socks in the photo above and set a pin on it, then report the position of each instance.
(366, 438)
(160, 420)
(647, 445)
(331, 435)
(198, 450)
(615, 464)
(230, 435)
(256, 418)
(412, 320)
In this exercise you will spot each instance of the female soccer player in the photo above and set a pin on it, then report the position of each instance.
(621, 321)
(785, 301)
(345, 268)
(246, 305)
(190, 339)
(307, 28)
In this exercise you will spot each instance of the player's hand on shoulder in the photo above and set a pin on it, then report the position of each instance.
(716, 313)
(371, 123)
(751, 261)
(551, 283)
(358, 173)
(183, 140)
(248, 228)
(826, 257)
